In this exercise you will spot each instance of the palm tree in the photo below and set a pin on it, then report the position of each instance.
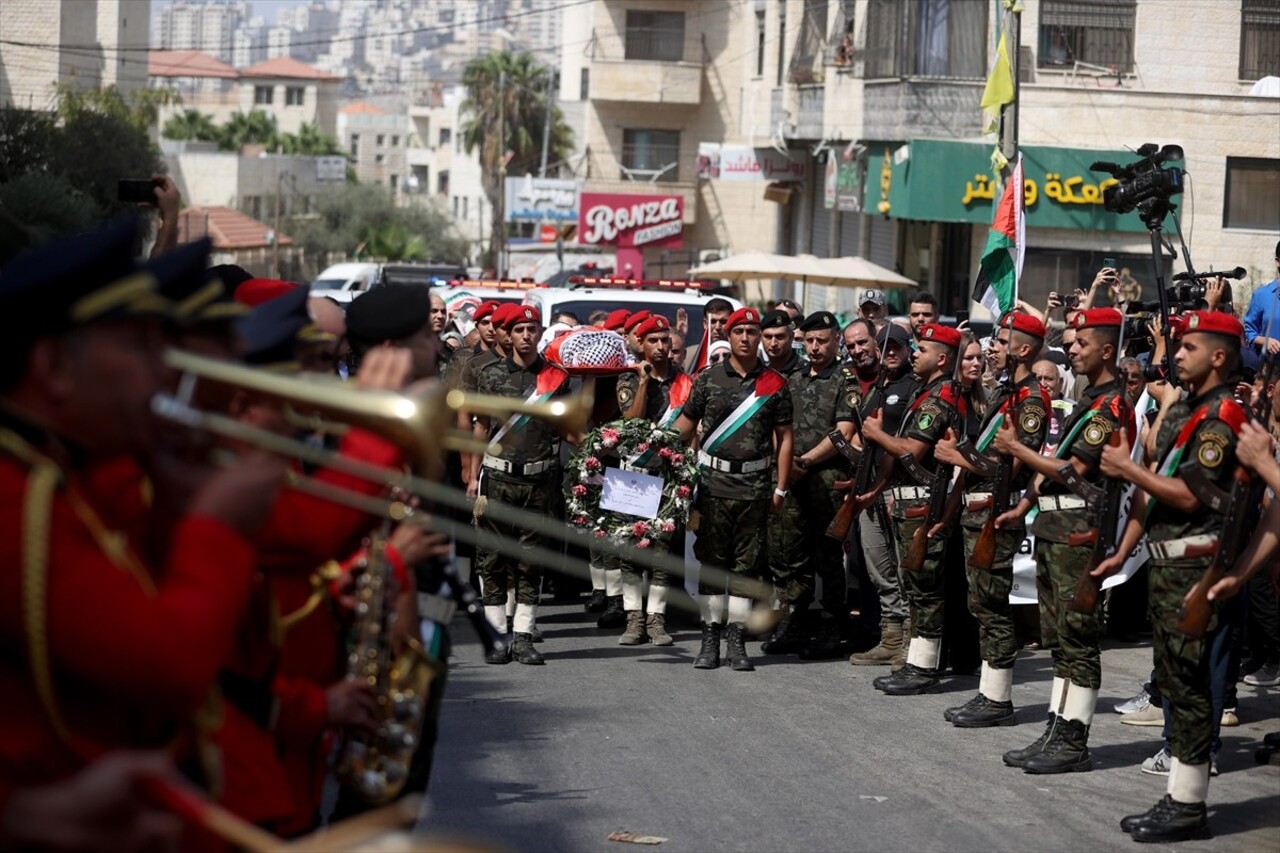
(190, 124)
(393, 241)
(507, 96)
(252, 128)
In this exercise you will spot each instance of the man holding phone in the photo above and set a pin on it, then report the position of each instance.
(160, 192)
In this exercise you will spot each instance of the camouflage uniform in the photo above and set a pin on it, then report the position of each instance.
(734, 506)
(786, 528)
(457, 364)
(534, 442)
(821, 402)
(936, 409)
(1073, 637)
(989, 590)
(1182, 663)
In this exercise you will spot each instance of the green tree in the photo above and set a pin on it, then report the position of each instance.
(503, 116)
(309, 141)
(365, 214)
(189, 125)
(252, 128)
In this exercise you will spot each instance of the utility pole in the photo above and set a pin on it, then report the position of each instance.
(275, 239)
(498, 240)
(546, 125)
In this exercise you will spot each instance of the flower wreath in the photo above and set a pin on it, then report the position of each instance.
(671, 461)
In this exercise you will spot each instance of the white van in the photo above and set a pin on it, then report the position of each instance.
(342, 282)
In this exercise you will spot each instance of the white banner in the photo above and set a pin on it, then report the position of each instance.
(745, 163)
(1024, 564)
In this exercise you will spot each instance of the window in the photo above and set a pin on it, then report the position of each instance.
(584, 84)
(465, 206)
(651, 155)
(929, 38)
(355, 146)
(760, 42)
(394, 183)
(1259, 39)
(381, 140)
(395, 142)
(445, 135)
(263, 94)
(380, 158)
(442, 182)
(1253, 194)
(1094, 32)
(782, 40)
(657, 36)
(294, 96)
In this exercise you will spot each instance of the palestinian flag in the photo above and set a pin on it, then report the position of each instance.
(700, 362)
(1001, 266)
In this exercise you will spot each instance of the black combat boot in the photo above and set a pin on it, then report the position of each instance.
(596, 602)
(950, 713)
(736, 649)
(1129, 823)
(613, 616)
(1174, 822)
(984, 714)
(709, 655)
(829, 642)
(501, 653)
(911, 680)
(1067, 753)
(1019, 757)
(522, 651)
(789, 634)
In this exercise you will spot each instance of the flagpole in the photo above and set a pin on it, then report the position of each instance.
(1009, 124)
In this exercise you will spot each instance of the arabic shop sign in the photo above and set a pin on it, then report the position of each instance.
(937, 180)
(616, 219)
(531, 199)
(744, 163)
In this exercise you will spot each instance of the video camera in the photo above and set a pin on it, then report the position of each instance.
(1193, 287)
(1144, 185)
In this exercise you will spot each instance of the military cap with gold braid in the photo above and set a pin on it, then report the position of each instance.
(196, 295)
(273, 330)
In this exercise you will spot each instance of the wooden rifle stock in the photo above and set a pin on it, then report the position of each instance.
(845, 516)
(1085, 598)
(913, 561)
(984, 549)
(1197, 610)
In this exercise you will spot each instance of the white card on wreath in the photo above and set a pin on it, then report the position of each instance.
(631, 493)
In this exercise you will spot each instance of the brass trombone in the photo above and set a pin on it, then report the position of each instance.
(423, 426)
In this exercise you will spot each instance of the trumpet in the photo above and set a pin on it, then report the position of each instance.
(422, 425)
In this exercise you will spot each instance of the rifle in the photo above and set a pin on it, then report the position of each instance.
(913, 561)
(1196, 610)
(984, 549)
(1105, 512)
(845, 516)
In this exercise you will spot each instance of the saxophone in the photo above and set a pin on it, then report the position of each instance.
(376, 765)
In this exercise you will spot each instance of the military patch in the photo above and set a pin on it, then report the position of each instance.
(929, 413)
(1031, 421)
(626, 394)
(854, 398)
(1096, 431)
(1213, 449)
(925, 421)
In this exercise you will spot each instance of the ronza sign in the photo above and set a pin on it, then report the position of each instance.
(615, 219)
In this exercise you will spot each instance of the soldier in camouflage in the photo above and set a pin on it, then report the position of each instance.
(1072, 637)
(1023, 403)
(743, 408)
(909, 461)
(656, 391)
(786, 529)
(1196, 444)
(524, 473)
(824, 397)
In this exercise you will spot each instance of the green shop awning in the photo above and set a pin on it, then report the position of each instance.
(937, 180)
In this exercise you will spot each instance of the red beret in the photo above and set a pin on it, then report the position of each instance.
(1094, 318)
(517, 314)
(1216, 322)
(484, 309)
(500, 313)
(1023, 322)
(944, 335)
(655, 323)
(256, 291)
(636, 319)
(742, 315)
(617, 320)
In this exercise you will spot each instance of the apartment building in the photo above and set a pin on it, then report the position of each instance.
(441, 172)
(376, 141)
(203, 26)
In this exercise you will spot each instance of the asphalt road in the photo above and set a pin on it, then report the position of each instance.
(797, 755)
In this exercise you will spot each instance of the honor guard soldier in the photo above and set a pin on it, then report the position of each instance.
(785, 544)
(106, 649)
(1072, 637)
(743, 408)
(823, 395)
(1195, 447)
(657, 391)
(896, 387)
(989, 552)
(919, 477)
(523, 471)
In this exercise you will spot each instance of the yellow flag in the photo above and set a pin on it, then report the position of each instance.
(999, 88)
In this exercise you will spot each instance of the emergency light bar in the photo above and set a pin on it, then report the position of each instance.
(640, 283)
(502, 284)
